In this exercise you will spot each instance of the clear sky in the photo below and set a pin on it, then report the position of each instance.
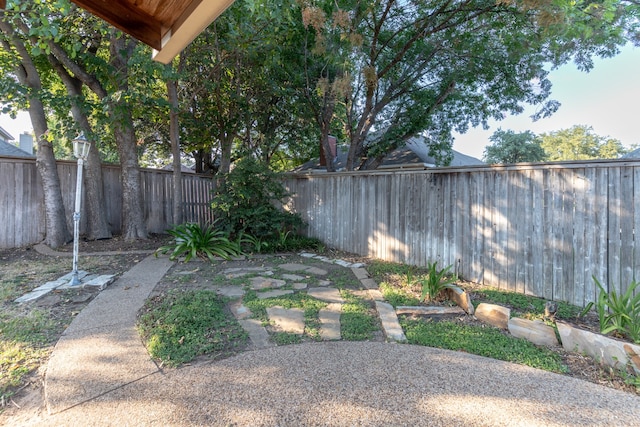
(607, 99)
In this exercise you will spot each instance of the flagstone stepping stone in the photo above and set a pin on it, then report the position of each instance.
(430, 310)
(331, 295)
(257, 333)
(307, 255)
(324, 283)
(299, 286)
(235, 272)
(294, 277)
(329, 318)
(273, 293)
(287, 319)
(316, 271)
(239, 310)
(261, 282)
(293, 267)
(342, 263)
(390, 324)
(231, 291)
(360, 273)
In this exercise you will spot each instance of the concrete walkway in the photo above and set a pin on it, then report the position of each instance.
(101, 375)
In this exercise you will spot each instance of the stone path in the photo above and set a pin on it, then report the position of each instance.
(302, 278)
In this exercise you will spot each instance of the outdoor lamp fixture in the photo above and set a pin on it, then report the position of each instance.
(80, 150)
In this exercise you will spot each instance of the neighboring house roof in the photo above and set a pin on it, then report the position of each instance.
(5, 136)
(10, 150)
(635, 154)
(415, 154)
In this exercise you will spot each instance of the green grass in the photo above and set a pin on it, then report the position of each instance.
(484, 341)
(311, 306)
(285, 338)
(357, 321)
(398, 296)
(528, 306)
(179, 326)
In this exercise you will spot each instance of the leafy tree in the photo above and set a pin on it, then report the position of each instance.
(580, 143)
(511, 147)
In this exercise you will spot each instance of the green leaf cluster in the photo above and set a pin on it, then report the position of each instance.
(249, 202)
(436, 281)
(619, 313)
(192, 240)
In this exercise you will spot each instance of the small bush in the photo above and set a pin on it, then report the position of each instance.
(619, 313)
(246, 202)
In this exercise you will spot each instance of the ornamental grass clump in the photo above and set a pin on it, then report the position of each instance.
(619, 313)
(192, 241)
(436, 281)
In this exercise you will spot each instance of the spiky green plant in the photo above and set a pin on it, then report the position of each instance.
(436, 281)
(192, 241)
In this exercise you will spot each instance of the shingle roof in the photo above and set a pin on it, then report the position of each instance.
(11, 150)
(4, 135)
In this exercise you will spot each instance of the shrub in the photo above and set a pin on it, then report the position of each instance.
(191, 240)
(245, 203)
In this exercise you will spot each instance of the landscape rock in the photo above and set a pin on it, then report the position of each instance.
(390, 324)
(261, 282)
(360, 273)
(493, 314)
(273, 293)
(533, 330)
(287, 319)
(329, 318)
(331, 295)
(431, 310)
(461, 298)
(369, 283)
(603, 349)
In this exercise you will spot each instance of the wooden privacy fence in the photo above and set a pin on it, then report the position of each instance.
(542, 230)
(22, 217)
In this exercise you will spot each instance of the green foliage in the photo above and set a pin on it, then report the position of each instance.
(580, 143)
(246, 202)
(191, 240)
(619, 313)
(398, 296)
(178, 326)
(481, 340)
(285, 242)
(529, 306)
(510, 147)
(435, 281)
(258, 307)
(357, 322)
(285, 338)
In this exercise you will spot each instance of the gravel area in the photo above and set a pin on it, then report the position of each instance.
(356, 384)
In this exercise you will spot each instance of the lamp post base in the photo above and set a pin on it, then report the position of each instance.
(75, 280)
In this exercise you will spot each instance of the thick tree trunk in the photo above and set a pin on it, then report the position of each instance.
(95, 206)
(56, 230)
(174, 132)
(133, 220)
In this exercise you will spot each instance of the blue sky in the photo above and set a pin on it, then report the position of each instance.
(607, 98)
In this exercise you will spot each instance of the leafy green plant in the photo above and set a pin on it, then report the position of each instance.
(619, 313)
(178, 326)
(191, 240)
(435, 281)
(528, 306)
(247, 201)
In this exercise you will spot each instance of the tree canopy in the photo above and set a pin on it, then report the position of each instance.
(511, 147)
(580, 143)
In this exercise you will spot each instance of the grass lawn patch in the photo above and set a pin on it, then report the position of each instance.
(483, 341)
(398, 296)
(358, 321)
(179, 326)
(527, 306)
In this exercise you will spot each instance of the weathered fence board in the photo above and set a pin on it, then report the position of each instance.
(22, 217)
(541, 230)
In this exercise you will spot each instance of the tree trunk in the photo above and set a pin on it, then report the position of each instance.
(174, 132)
(95, 206)
(56, 230)
(133, 220)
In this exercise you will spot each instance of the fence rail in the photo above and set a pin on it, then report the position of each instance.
(22, 216)
(542, 230)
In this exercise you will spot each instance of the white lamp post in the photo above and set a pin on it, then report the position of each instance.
(80, 150)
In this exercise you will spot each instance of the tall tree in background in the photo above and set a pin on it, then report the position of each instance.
(580, 143)
(511, 147)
